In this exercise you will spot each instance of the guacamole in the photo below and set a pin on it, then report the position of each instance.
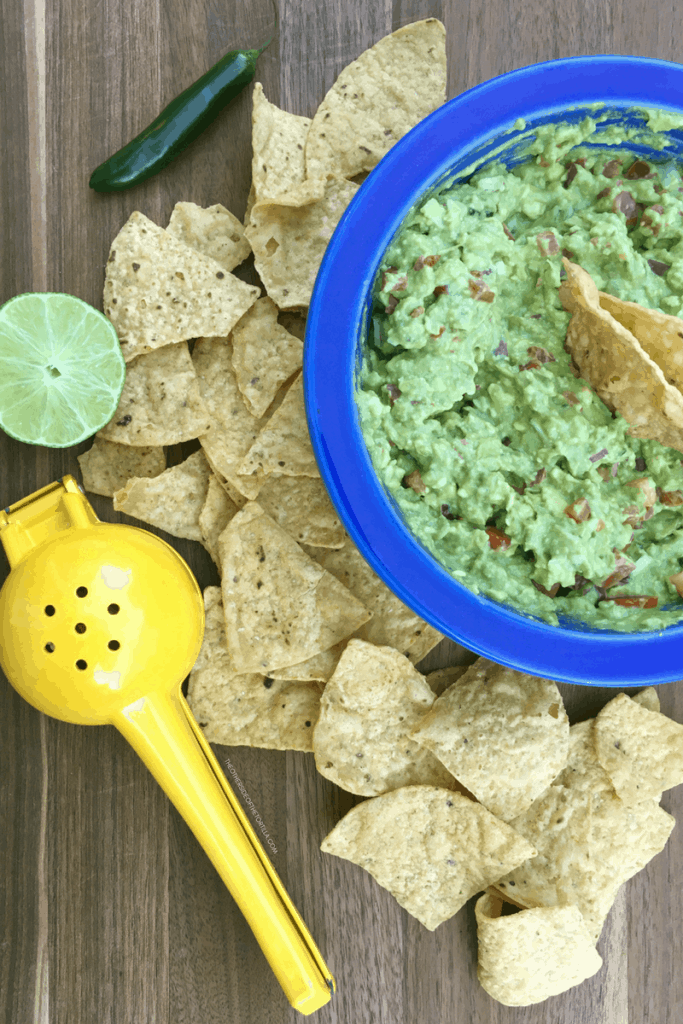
(505, 463)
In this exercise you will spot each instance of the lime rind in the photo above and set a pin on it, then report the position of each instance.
(61, 369)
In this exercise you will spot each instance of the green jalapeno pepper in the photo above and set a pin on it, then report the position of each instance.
(178, 124)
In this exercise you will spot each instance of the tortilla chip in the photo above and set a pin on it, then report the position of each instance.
(213, 231)
(158, 291)
(425, 641)
(647, 698)
(106, 466)
(264, 355)
(289, 239)
(589, 842)
(172, 501)
(311, 190)
(232, 427)
(217, 511)
(294, 321)
(251, 199)
(283, 444)
(431, 848)
(503, 734)
(161, 403)
(277, 140)
(442, 678)
(581, 739)
(377, 99)
(613, 362)
(659, 334)
(393, 624)
(641, 750)
(583, 770)
(369, 706)
(246, 710)
(527, 957)
(320, 667)
(301, 506)
(235, 496)
(280, 606)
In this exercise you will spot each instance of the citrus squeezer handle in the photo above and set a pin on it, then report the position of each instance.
(161, 729)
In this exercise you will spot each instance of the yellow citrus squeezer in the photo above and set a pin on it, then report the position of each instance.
(100, 623)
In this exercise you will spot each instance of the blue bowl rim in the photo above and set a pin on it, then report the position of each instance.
(423, 156)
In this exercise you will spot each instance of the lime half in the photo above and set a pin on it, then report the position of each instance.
(61, 369)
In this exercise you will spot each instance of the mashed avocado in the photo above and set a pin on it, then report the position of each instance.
(505, 464)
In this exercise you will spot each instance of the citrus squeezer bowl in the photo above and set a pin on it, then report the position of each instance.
(100, 623)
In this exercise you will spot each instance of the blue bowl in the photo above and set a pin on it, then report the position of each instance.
(439, 148)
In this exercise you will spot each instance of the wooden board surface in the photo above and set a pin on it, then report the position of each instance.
(110, 913)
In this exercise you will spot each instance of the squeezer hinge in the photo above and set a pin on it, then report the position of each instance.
(42, 515)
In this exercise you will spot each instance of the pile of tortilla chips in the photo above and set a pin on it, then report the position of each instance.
(575, 810)
(475, 782)
(213, 359)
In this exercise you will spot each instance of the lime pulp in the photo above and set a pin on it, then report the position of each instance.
(61, 369)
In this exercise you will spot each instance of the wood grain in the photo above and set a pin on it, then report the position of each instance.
(110, 912)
